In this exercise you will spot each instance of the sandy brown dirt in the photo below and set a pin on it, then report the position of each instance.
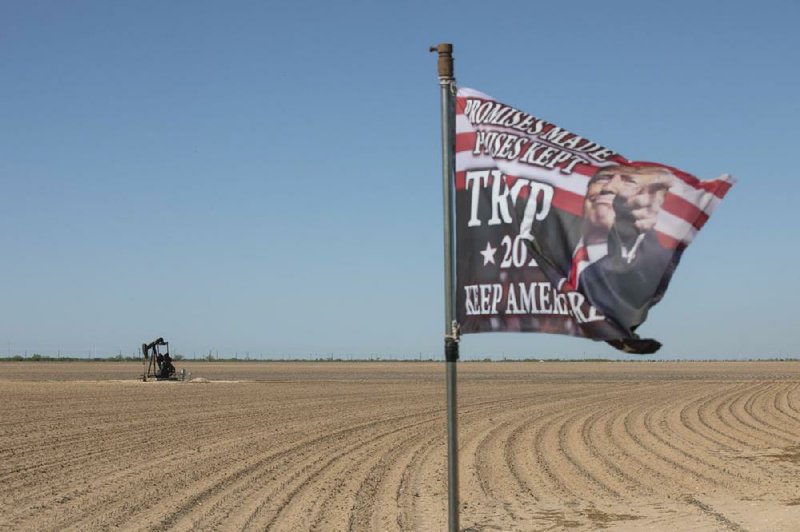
(361, 446)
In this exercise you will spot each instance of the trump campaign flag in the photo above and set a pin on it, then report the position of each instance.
(558, 234)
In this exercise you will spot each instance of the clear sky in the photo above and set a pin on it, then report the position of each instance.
(264, 177)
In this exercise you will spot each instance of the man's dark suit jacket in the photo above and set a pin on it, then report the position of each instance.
(624, 291)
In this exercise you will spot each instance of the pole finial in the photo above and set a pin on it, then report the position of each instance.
(445, 60)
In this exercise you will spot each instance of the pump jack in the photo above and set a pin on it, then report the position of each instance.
(157, 361)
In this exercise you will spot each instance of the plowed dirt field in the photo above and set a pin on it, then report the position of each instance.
(362, 446)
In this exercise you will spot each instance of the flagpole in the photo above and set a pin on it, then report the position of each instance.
(447, 86)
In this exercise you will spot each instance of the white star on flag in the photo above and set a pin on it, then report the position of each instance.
(488, 254)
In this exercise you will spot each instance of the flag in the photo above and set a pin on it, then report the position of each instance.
(559, 234)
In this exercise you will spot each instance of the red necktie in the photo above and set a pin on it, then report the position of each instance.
(581, 255)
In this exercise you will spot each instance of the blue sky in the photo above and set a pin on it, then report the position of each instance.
(265, 177)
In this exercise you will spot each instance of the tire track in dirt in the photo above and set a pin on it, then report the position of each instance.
(427, 487)
(484, 449)
(667, 423)
(428, 473)
(355, 483)
(489, 486)
(215, 456)
(231, 488)
(221, 460)
(483, 461)
(494, 467)
(691, 418)
(608, 456)
(790, 402)
(603, 448)
(719, 518)
(542, 472)
(728, 446)
(374, 507)
(653, 474)
(675, 448)
(318, 509)
(68, 453)
(500, 466)
(108, 475)
(518, 459)
(709, 414)
(354, 479)
(551, 464)
(475, 420)
(761, 407)
(733, 423)
(344, 473)
(624, 452)
(676, 430)
(738, 408)
(781, 403)
(218, 456)
(657, 439)
(405, 493)
(588, 478)
(125, 438)
(704, 469)
(585, 471)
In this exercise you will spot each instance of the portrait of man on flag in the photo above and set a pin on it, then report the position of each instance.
(619, 263)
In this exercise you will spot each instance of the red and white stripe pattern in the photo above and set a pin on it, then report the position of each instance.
(687, 205)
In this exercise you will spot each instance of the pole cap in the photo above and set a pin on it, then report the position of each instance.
(445, 60)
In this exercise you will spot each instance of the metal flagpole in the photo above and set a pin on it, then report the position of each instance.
(447, 85)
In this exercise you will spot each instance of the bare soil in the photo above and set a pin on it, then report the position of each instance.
(362, 446)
